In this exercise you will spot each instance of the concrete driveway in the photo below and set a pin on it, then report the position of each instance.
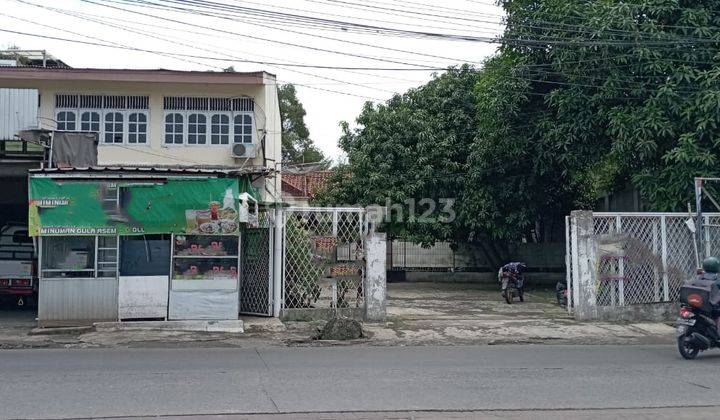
(468, 313)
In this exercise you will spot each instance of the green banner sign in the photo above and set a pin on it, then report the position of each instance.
(60, 207)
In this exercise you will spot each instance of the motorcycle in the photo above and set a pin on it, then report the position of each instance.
(697, 326)
(561, 293)
(512, 282)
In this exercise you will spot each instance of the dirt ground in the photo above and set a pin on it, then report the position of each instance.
(418, 314)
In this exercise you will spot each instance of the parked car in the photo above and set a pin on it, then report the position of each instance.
(18, 264)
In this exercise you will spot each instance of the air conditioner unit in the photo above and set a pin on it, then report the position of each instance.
(244, 150)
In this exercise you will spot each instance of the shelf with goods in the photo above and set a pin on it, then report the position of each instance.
(205, 257)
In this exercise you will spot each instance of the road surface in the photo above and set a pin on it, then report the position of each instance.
(61, 383)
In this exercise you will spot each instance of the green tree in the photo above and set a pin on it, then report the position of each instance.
(297, 147)
(631, 91)
(413, 147)
(582, 98)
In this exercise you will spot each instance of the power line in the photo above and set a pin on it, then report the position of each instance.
(532, 24)
(289, 17)
(94, 38)
(250, 36)
(97, 44)
(185, 59)
(171, 55)
(102, 20)
(157, 36)
(396, 32)
(285, 29)
(347, 16)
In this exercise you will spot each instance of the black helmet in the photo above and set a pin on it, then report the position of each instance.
(711, 265)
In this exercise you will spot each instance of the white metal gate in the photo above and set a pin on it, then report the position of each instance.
(640, 257)
(323, 257)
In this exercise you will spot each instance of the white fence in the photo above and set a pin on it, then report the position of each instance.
(323, 258)
(624, 259)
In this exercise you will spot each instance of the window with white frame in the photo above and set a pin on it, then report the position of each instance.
(66, 121)
(197, 128)
(242, 128)
(174, 128)
(114, 132)
(116, 118)
(90, 121)
(211, 121)
(220, 129)
(137, 128)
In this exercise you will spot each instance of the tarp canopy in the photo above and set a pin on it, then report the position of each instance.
(65, 207)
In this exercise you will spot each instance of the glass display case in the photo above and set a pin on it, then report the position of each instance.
(205, 262)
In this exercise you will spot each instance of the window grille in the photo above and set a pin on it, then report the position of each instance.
(65, 100)
(187, 103)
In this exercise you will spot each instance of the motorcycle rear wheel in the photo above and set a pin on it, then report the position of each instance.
(509, 297)
(687, 351)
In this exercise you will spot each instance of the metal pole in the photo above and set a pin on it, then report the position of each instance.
(663, 251)
(698, 219)
(278, 246)
(50, 152)
(621, 267)
(568, 269)
(706, 221)
(698, 235)
(655, 250)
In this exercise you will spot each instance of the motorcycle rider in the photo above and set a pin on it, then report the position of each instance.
(711, 272)
(710, 269)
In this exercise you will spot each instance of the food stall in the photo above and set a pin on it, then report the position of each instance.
(136, 247)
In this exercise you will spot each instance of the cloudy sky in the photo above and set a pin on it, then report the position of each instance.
(365, 35)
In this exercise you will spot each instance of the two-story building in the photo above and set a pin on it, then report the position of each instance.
(162, 223)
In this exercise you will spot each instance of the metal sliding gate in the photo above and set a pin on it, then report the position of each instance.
(256, 286)
(323, 257)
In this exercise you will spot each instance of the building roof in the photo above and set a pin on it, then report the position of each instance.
(153, 170)
(135, 75)
(33, 58)
(304, 185)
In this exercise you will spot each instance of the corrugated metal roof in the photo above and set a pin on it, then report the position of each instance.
(259, 170)
(18, 111)
(132, 75)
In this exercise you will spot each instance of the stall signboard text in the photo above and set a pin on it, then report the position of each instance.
(208, 206)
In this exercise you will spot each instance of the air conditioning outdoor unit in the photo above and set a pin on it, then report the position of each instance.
(244, 150)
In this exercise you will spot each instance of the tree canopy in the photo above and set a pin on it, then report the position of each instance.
(582, 98)
(411, 148)
(297, 147)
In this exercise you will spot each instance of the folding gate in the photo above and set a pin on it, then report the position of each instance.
(256, 292)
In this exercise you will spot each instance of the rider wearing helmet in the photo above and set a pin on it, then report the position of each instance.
(711, 269)
(711, 272)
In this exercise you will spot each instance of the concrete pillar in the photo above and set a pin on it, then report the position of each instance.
(584, 255)
(375, 277)
(277, 272)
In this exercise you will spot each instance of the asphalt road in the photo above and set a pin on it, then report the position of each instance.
(134, 382)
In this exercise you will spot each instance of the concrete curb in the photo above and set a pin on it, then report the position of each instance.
(224, 326)
(257, 325)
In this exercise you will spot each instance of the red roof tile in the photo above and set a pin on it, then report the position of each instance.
(304, 185)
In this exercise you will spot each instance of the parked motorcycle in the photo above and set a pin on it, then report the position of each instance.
(512, 282)
(697, 323)
(561, 293)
